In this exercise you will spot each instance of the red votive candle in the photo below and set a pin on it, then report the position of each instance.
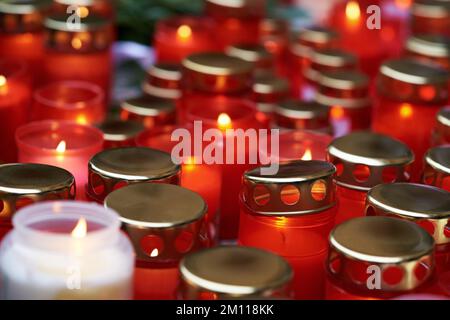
(116, 168)
(162, 231)
(268, 91)
(163, 81)
(441, 133)
(117, 133)
(364, 160)
(60, 143)
(178, 37)
(78, 101)
(346, 93)
(430, 48)
(255, 53)
(274, 36)
(397, 253)
(22, 184)
(303, 145)
(232, 272)
(437, 167)
(410, 92)
(430, 17)
(79, 53)
(297, 205)
(84, 8)
(15, 99)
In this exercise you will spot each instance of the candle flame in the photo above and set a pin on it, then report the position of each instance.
(224, 121)
(80, 229)
(352, 11)
(154, 253)
(81, 119)
(184, 32)
(337, 112)
(406, 110)
(403, 4)
(77, 43)
(2, 80)
(189, 163)
(82, 12)
(307, 155)
(61, 147)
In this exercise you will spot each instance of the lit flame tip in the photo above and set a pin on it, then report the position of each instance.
(154, 253)
(184, 31)
(2, 80)
(80, 229)
(224, 121)
(61, 147)
(352, 10)
(307, 156)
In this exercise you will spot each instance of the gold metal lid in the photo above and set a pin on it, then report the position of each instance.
(434, 9)
(78, 2)
(383, 242)
(23, 6)
(166, 71)
(163, 221)
(89, 23)
(429, 45)
(148, 106)
(235, 271)
(297, 109)
(299, 187)
(317, 34)
(439, 158)
(443, 117)
(254, 53)
(415, 202)
(118, 130)
(344, 80)
(269, 83)
(333, 58)
(217, 64)
(364, 159)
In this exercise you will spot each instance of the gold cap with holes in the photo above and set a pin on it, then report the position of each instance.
(368, 159)
(24, 183)
(18, 16)
(163, 221)
(296, 114)
(299, 187)
(434, 46)
(409, 80)
(414, 202)
(268, 91)
(254, 53)
(114, 168)
(233, 271)
(437, 166)
(326, 60)
(396, 252)
(163, 81)
(119, 131)
(313, 38)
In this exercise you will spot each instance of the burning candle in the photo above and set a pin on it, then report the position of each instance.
(66, 250)
(274, 36)
(26, 183)
(437, 167)
(78, 101)
(230, 272)
(268, 91)
(117, 133)
(364, 160)
(430, 17)
(372, 258)
(163, 81)
(15, 98)
(150, 111)
(60, 143)
(112, 169)
(441, 132)
(302, 145)
(178, 37)
(346, 93)
(164, 222)
(410, 92)
(84, 8)
(255, 53)
(430, 48)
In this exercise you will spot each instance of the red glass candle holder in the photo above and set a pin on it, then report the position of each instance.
(117, 133)
(15, 99)
(430, 17)
(441, 132)
(430, 48)
(150, 111)
(102, 8)
(116, 168)
(297, 205)
(78, 101)
(437, 167)
(255, 53)
(397, 253)
(303, 145)
(162, 231)
(409, 92)
(346, 93)
(236, 22)
(60, 143)
(268, 91)
(274, 36)
(22, 184)
(179, 37)
(82, 53)
(163, 81)
(21, 31)
(364, 160)
(232, 272)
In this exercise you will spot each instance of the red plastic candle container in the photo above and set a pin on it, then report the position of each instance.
(82, 53)
(116, 168)
(268, 91)
(21, 30)
(372, 258)
(303, 144)
(78, 101)
(232, 272)
(163, 81)
(178, 37)
(441, 133)
(437, 167)
(150, 111)
(427, 206)
(346, 93)
(410, 92)
(22, 184)
(364, 160)
(117, 133)
(15, 99)
(274, 36)
(430, 17)
(295, 206)
(430, 48)
(236, 21)
(60, 143)
(84, 8)
(255, 53)
(162, 231)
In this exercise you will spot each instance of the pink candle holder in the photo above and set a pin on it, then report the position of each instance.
(78, 101)
(60, 143)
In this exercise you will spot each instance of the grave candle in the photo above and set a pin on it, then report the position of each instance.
(430, 17)
(441, 132)
(430, 48)
(117, 133)
(437, 167)
(268, 91)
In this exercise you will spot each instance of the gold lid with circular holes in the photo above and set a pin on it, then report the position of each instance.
(434, 9)
(333, 58)
(23, 6)
(344, 80)
(429, 45)
(166, 71)
(443, 117)
(439, 158)
(269, 83)
(234, 271)
(297, 109)
(309, 184)
(118, 130)
(217, 64)
(413, 72)
(373, 150)
(383, 242)
(254, 53)
(148, 106)
(89, 23)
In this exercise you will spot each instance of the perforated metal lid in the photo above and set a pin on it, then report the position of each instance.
(268, 83)
(254, 53)
(413, 72)
(439, 158)
(429, 45)
(118, 130)
(217, 64)
(443, 116)
(148, 106)
(297, 109)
